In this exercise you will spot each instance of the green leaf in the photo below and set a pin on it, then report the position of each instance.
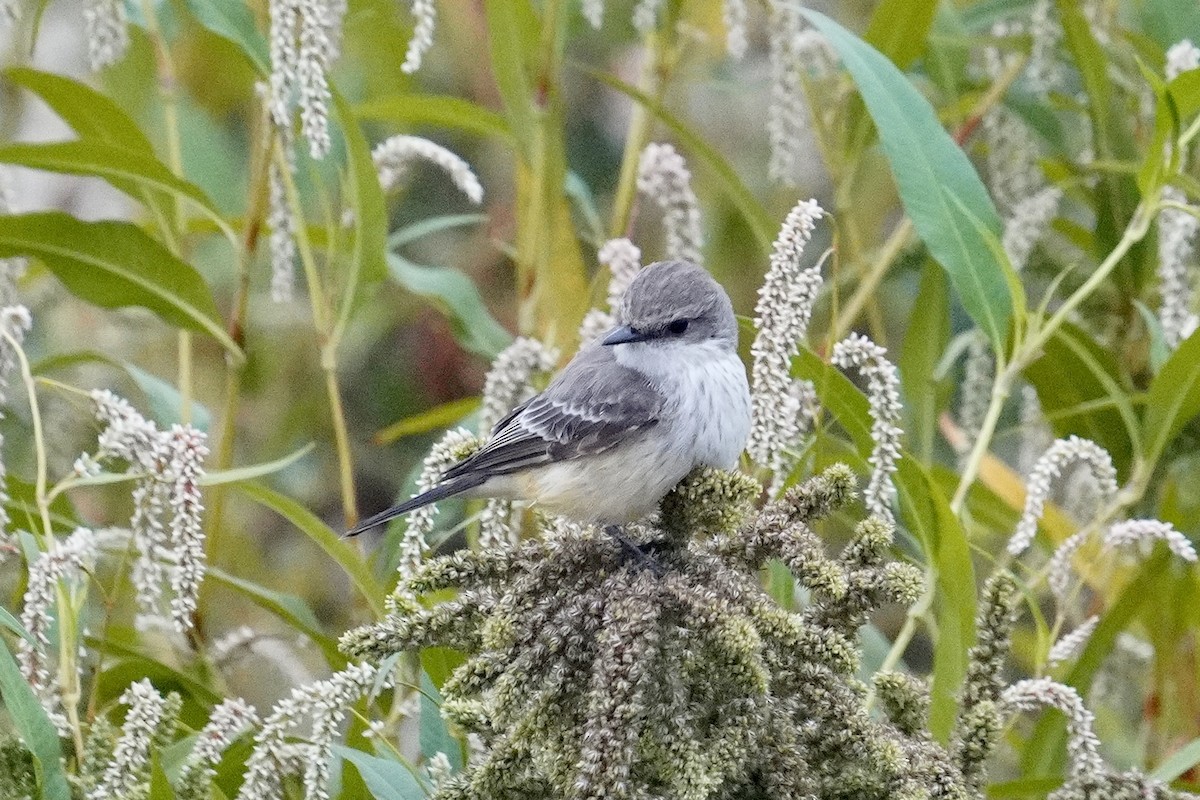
(90, 113)
(291, 609)
(115, 264)
(1179, 762)
(233, 21)
(927, 514)
(440, 662)
(427, 227)
(442, 416)
(34, 727)
(1173, 399)
(128, 170)
(1081, 392)
(473, 325)
(440, 110)
(761, 224)
(14, 625)
(926, 340)
(148, 666)
(341, 550)
(367, 266)
(160, 787)
(387, 779)
(1170, 21)
(1112, 137)
(255, 470)
(509, 46)
(899, 28)
(939, 188)
(165, 400)
(433, 735)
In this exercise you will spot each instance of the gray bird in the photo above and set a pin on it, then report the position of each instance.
(630, 415)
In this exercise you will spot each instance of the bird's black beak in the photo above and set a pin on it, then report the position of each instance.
(624, 335)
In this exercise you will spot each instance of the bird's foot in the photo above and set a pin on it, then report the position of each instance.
(635, 553)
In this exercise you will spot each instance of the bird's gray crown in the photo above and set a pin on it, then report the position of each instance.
(677, 300)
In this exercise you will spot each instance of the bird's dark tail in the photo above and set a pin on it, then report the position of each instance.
(439, 492)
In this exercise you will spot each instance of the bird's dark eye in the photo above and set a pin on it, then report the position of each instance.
(678, 326)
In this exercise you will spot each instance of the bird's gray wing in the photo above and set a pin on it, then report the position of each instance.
(593, 405)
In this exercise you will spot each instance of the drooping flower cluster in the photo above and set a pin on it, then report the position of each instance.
(595, 673)
(11, 269)
(1027, 224)
(975, 394)
(229, 720)
(305, 41)
(883, 395)
(107, 30)
(395, 155)
(1083, 748)
(509, 383)
(149, 725)
(1146, 531)
(314, 712)
(784, 308)
(166, 523)
(1183, 56)
(66, 560)
(1050, 466)
(795, 51)
(624, 260)
(645, 15)
(735, 15)
(1071, 644)
(1177, 230)
(425, 14)
(456, 444)
(664, 178)
(282, 241)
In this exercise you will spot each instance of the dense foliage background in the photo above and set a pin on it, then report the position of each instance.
(1010, 210)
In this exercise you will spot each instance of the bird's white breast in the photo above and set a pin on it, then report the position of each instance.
(708, 396)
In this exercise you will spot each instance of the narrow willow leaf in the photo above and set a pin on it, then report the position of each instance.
(927, 338)
(473, 325)
(255, 470)
(436, 418)
(510, 47)
(165, 401)
(36, 731)
(87, 111)
(899, 29)
(434, 736)
(233, 21)
(926, 513)
(1173, 399)
(121, 167)
(427, 227)
(412, 109)
(341, 550)
(367, 266)
(116, 264)
(1179, 762)
(940, 190)
(289, 608)
(386, 778)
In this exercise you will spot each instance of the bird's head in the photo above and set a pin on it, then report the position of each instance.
(675, 302)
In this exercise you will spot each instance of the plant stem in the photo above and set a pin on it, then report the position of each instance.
(651, 81)
(322, 320)
(1028, 350)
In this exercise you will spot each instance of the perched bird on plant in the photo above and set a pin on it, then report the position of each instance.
(630, 415)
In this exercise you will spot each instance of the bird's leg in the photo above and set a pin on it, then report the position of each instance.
(636, 552)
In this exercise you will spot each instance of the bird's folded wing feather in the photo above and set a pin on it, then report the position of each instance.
(595, 404)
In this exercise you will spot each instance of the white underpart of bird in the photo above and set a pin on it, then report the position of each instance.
(633, 413)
